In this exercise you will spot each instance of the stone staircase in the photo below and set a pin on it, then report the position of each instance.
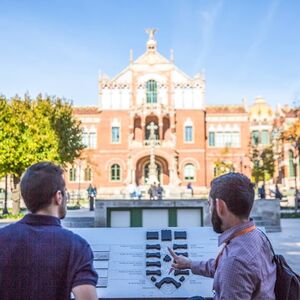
(267, 224)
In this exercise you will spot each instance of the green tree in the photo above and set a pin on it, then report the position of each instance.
(222, 167)
(292, 136)
(68, 132)
(263, 163)
(35, 130)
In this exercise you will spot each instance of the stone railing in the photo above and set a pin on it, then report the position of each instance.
(149, 143)
(148, 108)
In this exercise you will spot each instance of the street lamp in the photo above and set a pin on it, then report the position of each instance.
(297, 194)
(79, 177)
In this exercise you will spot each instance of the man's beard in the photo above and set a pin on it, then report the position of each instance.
(216, 221)
(62, 210)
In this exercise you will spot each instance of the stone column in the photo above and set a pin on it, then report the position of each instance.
(172, 121)
(130, 178)
(143, 128)
(173, 172)
(160, 124)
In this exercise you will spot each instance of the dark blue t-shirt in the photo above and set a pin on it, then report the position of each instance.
(40, 260)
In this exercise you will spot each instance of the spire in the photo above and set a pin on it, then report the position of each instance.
(245, 103)
(151, 43)
(171, 55)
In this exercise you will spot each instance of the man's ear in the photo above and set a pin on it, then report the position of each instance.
(220, 207)
(58, 198)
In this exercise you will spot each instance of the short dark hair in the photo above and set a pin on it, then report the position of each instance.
(236, 190)
(40, 183)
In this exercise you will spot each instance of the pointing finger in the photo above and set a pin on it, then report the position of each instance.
(173, 254)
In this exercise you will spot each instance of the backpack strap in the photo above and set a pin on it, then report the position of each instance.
(239, 233)
(271, 247)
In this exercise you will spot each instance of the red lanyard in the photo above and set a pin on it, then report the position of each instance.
(239, 233)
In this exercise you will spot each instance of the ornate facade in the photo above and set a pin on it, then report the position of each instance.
(193, 143)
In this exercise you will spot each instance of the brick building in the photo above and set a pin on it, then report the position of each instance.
(193, 142)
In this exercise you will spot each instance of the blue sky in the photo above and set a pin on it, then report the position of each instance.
(246, 47)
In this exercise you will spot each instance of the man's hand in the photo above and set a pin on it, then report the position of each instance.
(85, 292)
(179, 261)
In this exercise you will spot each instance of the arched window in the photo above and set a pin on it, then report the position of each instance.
(291, 164)
(87, 174)
(151, 91)
(72, 174)
(189, 172)
(115, 172)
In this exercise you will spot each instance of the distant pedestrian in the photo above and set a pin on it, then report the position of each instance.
(138, 192)
(277, 193)
(159, 192)
(298, 197)
(152, 191)
(91, 195)
(262, 192)
(189, 187)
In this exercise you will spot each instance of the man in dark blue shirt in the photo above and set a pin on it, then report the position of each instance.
(40, 260)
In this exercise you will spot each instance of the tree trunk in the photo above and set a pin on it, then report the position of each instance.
(16, 197)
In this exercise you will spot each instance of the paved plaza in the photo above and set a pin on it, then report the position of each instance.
(286, 242)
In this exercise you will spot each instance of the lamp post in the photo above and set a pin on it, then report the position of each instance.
(79, 177)
(297, 194)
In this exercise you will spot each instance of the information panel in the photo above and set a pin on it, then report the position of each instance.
(135, 262)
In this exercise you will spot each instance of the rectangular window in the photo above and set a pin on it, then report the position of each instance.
(224, 139)
(88, 174)
(188, 134)
(72, 174)
(227, 139)
(85, 139)
(265, 137)
(235, 139)
(211, 139)
(219, 139)
(89, 139)
(115, 135)
(93, 140)
(255, 137)
(151, 93)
